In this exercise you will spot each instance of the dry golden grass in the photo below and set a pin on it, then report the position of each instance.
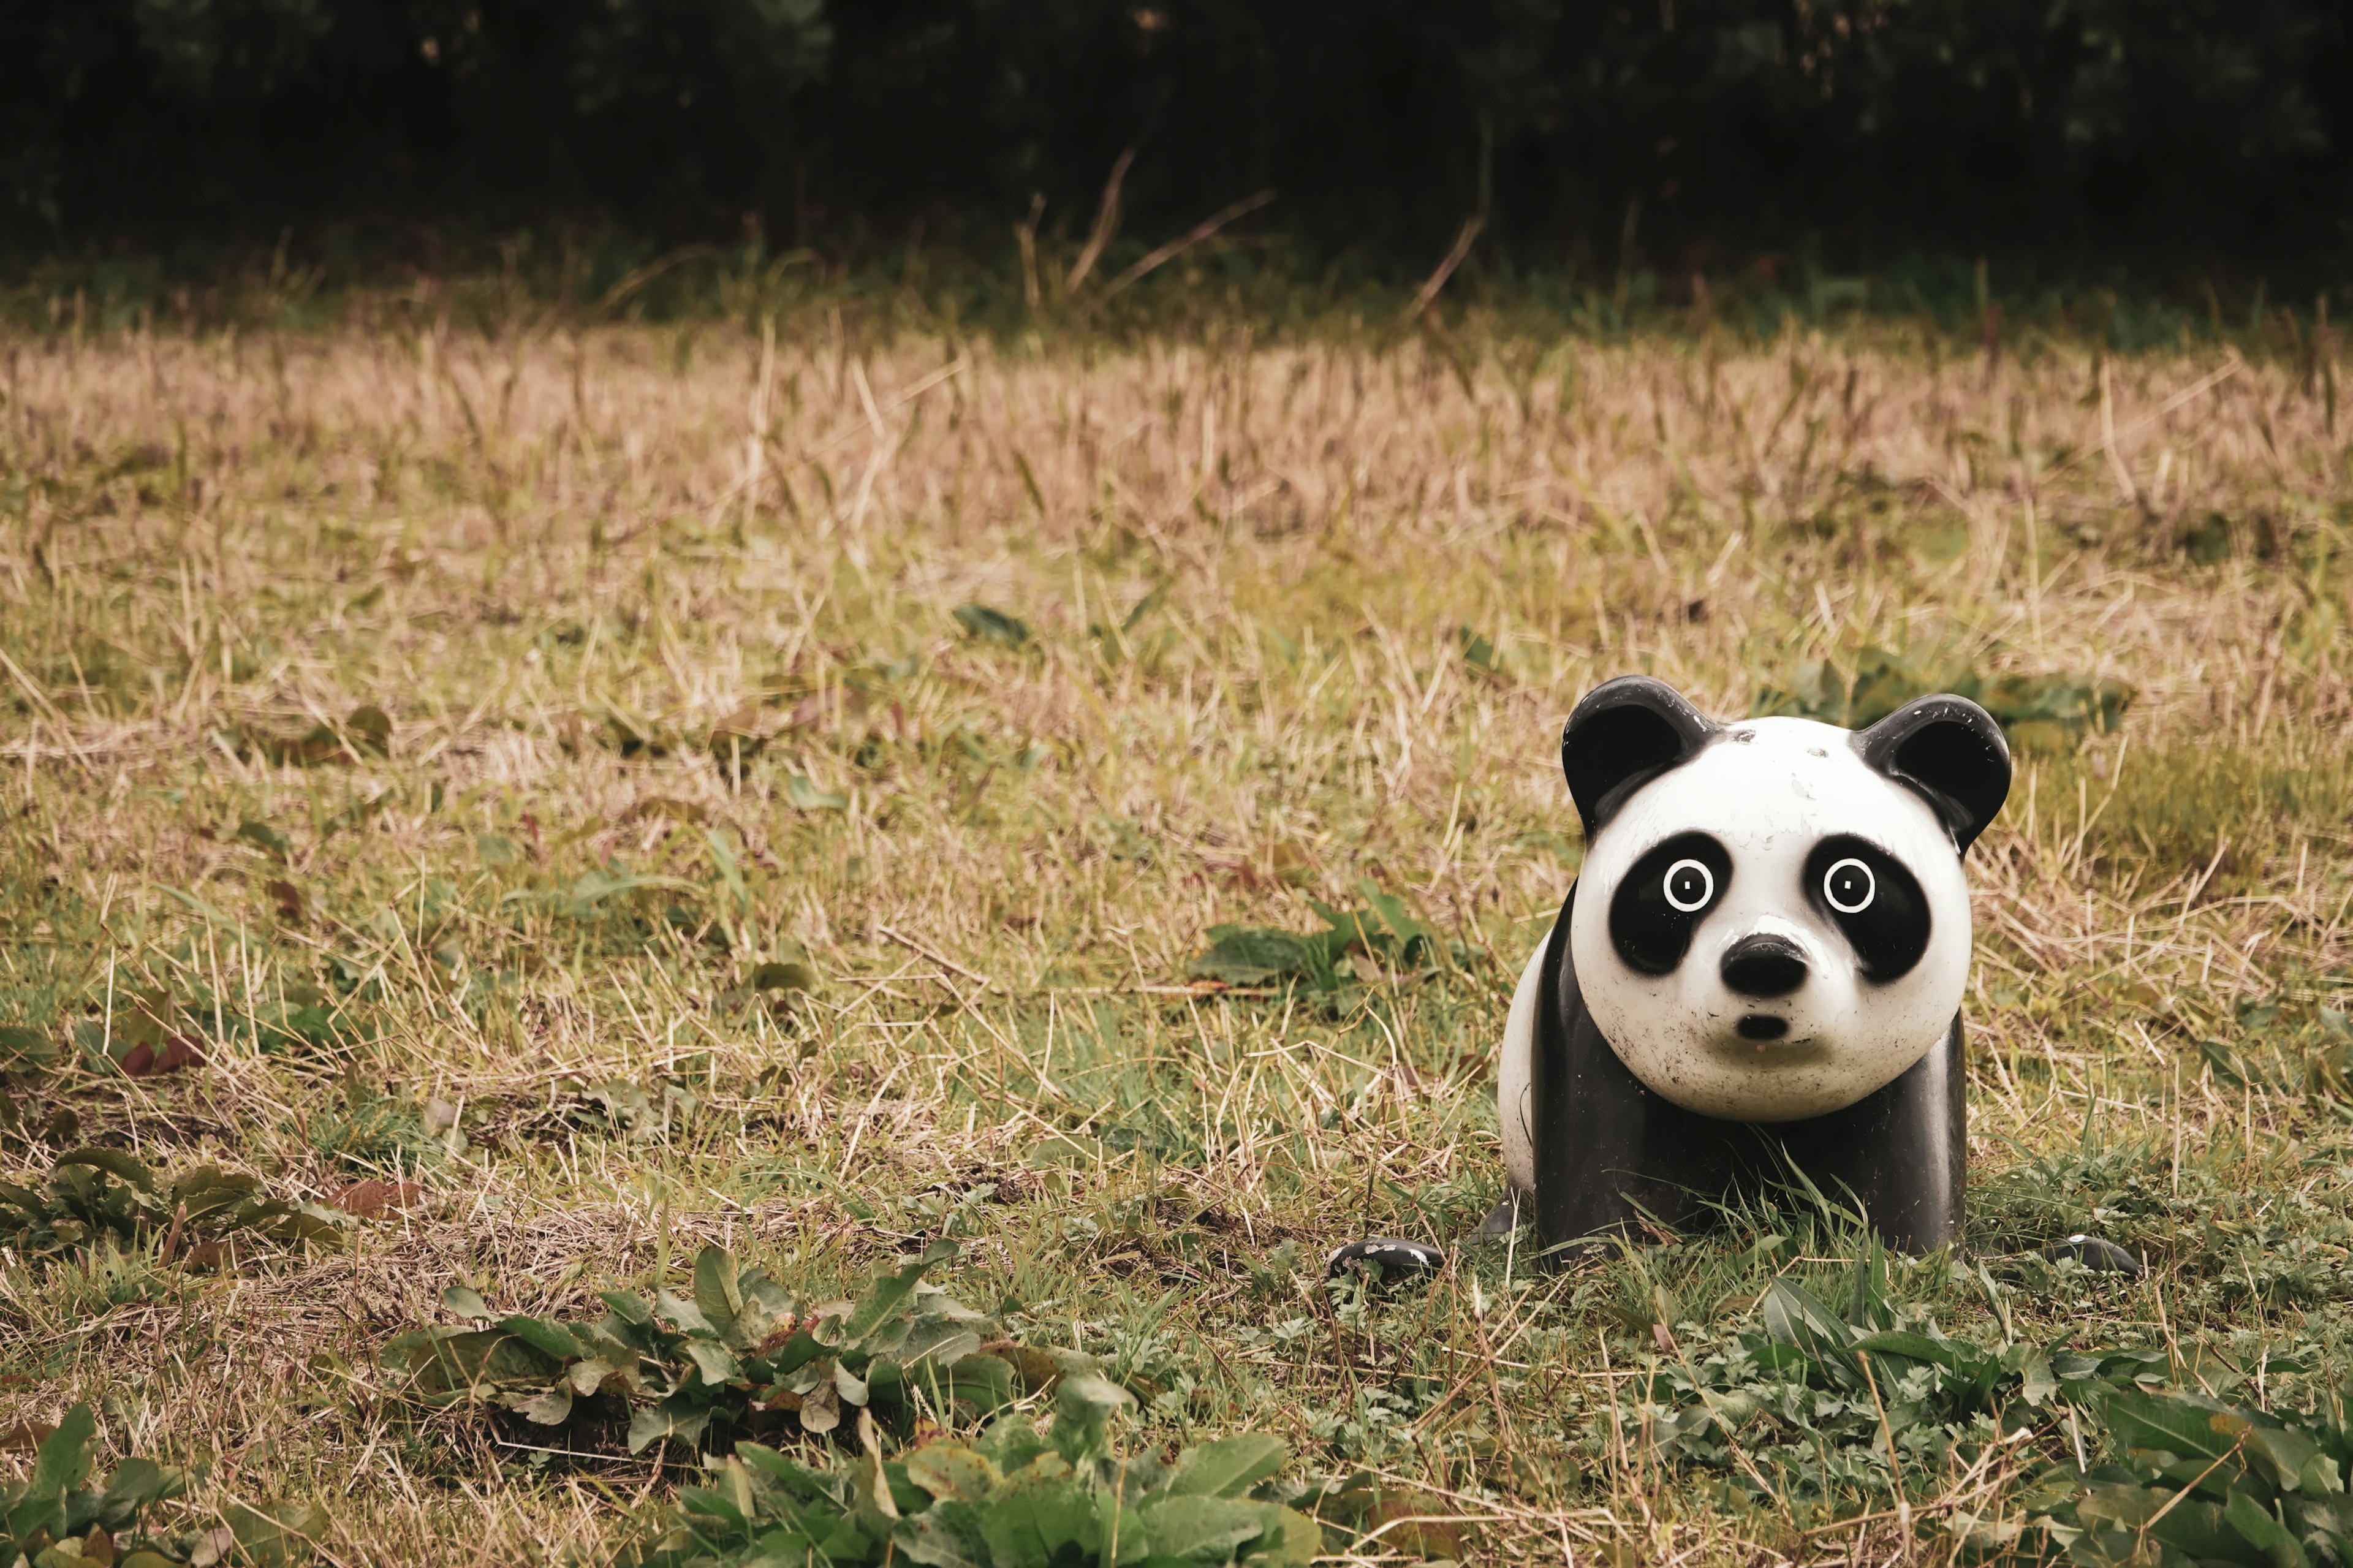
(1244, 566)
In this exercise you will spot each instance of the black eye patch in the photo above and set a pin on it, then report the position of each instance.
(1874, 899)
(1669, 891)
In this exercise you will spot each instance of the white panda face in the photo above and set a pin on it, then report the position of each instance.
(1773, 928)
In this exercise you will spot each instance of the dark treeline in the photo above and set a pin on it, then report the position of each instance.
(2192, 132)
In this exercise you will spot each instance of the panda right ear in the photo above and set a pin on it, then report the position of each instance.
(1948, 751)
(1625, 733)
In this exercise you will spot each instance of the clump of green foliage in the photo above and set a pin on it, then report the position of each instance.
(2048, 714)
(1014, 1497)
(2202, 1481)
(60, 1516)
(1385, 930)
(26, 1058)
(1817, 1401)
(741, 1357)
(106, 1197)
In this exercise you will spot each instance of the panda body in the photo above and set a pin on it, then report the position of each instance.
(1762, 964)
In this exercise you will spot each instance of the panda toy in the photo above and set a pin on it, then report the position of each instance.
(1759, 967)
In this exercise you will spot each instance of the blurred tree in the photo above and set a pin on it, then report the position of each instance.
(1697, 128)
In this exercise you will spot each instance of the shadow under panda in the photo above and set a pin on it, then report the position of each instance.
(1760, 965)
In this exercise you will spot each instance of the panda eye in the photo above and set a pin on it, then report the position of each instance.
(1663, 898)
(1848, 887)
(1689, 886)
(1874, 900)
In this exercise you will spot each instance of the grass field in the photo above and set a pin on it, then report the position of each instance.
(624, 787)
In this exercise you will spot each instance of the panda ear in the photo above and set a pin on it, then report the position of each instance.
(1625, 733)
(1949, 751)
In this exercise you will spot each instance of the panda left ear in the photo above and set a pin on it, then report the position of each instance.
(1623, 734)
(1949, 751)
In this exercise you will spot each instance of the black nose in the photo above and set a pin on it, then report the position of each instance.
(1765, 966)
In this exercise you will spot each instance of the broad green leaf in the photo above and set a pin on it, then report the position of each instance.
(587, 1375)
(310, 1222)
(1206, 1528)
(1083, 1404)
(2254, 1524)
(686, 1314)
(1301, 1542)
(594, 888)
(723, 852)
(60, 1463)
(2185, 1423)
(950, 1470)
(474, 1361)
(1253, 955)
(945, 1535)
(1794, 1317)
(2197, 1529)
(890, 1292)
(541, 1334)
(629, 1307)
(1951, 1354)
(1120, 1529)
(1229, 1467)
(136, 1484)
(731, 1515)
(788, 1473)
(464, 1301)
(1013, 1446)
(795, 1353)
(279, 1536)
(208, 1190)
(114, 1162)
(2038, 1381)
(941, 1341)
(2290, 1460)
(1035, 1522)
(985, 1381)
(1361, 929)
(2330, 1518)
(872, 1507)
(717, 1293)
(808, 1379)
(2127, 1508)
(548, 1407)
(1410, 933)
(26, 1051)
(371, 729)
(654, 1423)
(715, 1362)
(765, 1306)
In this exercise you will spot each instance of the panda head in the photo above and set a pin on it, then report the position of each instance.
(1771, 920)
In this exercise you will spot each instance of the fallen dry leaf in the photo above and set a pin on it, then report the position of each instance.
(180, 1051)
(374, 1197)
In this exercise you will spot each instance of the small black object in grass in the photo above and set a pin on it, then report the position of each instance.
(2099, 1257)
(1393, 1257)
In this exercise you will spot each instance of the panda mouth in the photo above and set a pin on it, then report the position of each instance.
(1761, 1028)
